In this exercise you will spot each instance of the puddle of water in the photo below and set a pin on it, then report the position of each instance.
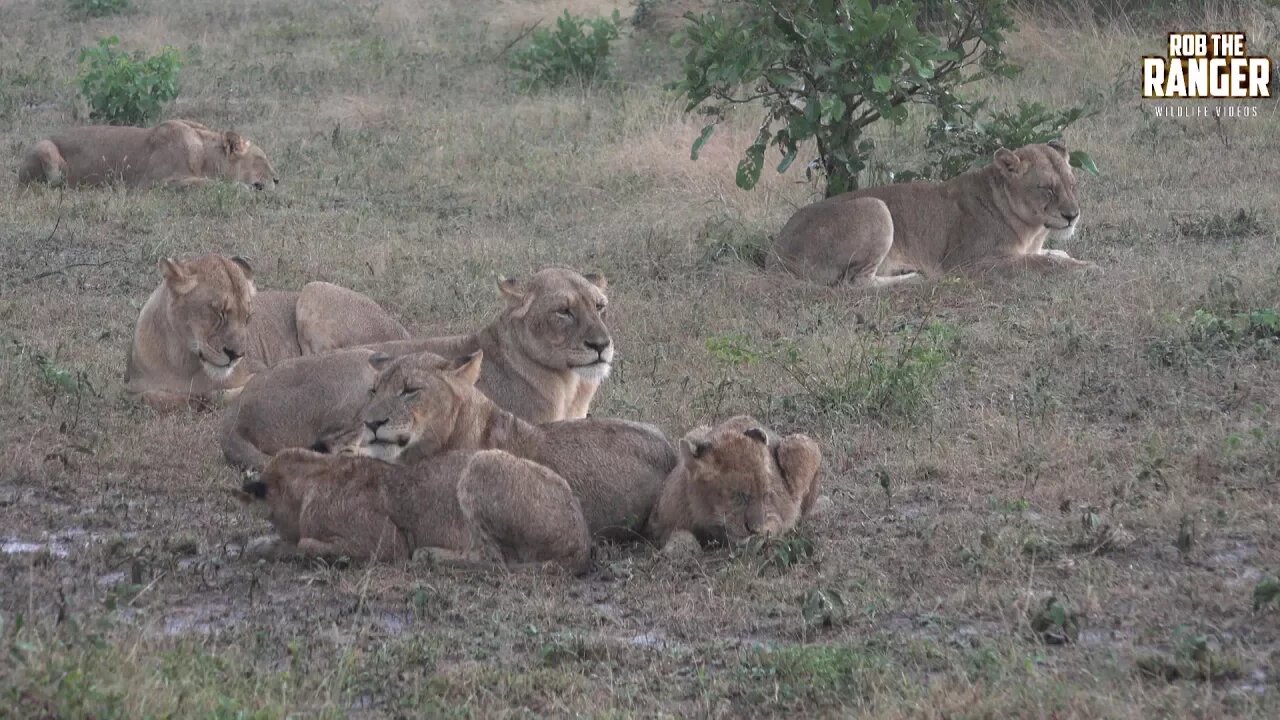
(395, 623)
(111, 579)
(200, 620)
(12, 546)
(649, 640)
(1235, 555)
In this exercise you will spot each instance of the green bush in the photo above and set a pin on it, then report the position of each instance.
(576, 50)
(127, 90)
(826, 70)
(98, 8)
(958, 141)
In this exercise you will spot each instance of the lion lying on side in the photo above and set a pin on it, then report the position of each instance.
(205, 330)
(545, 356)
(993, 218)
(469, 507)
(418, 411)
(734, 481)
(177, 153)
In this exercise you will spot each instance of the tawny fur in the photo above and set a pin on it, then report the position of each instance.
(205, 330)
(992, 219)
(734, 481)
(615, 467)
(531, 352)
(472, 507)
(176, 153)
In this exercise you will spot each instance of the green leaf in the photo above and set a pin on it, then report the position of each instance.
(787, 158)
(881, 83)
(750, 166)
(702, 140)
(1081, 159)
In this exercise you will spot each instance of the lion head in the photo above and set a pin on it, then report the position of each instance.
(210, 302)
(741, 480)
(247, 163)
(558, 319)
(415, 401)
(1040, 186)
(277, 494)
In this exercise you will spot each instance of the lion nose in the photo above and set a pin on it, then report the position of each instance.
(257, 185)
(373, 425)
(232, 355)
(275, 181)
(598, 345)
(1070, 216)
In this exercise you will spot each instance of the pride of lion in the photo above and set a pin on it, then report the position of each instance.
(362, 439)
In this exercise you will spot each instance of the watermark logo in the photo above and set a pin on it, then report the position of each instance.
(1206, 66)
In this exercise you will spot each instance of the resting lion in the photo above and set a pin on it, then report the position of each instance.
(205, 330)
(177, 153)
(734, 481)
(545, 355)
(468, 507)
(418, 411)
(993, 218)
(549, 349)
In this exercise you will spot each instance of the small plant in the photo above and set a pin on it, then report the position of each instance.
(823, 608)
(127, 90)
(780, 552)
(1055, 622)
(98, 8)
(576, 50)
(957, 144)
(1266, 594)
(1244, 222)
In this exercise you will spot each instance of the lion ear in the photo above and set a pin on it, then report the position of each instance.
(597, 279)
(1008, 162)
(757, 434)
(467, 368)
(245, 267)
(251, 492)
(510, 289)
(233, 144)
(1060, 146)
(694, 449)
(177, 276)
(380, 361)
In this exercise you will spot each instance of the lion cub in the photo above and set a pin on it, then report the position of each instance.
(734, 481)
(206, 330)
(418, 410)
(994, 218)
(483, 507)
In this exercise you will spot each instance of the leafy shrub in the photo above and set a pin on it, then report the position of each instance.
(576, 50)
(826, 70)
(99, 8)
(127, 90)
(956, 146)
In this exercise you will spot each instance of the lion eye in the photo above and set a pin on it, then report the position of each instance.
(565, 314)
(602, 309)
(408, 392)
(741, 498)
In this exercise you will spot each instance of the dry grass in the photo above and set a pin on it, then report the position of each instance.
(414, 172)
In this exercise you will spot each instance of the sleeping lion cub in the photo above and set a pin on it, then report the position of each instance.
(736, 480)
(206, 330)
(465, 507)
(993, 218)
(418, 411)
